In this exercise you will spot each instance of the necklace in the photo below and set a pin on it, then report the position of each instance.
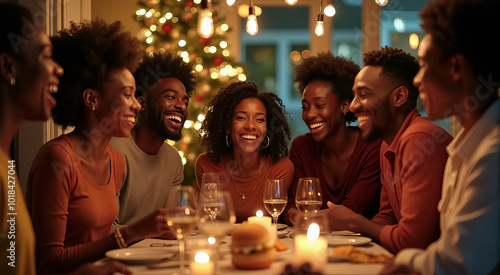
(243, 196)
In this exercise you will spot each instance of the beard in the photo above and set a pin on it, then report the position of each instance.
(157, 122)
(374, 134)
(385, 119)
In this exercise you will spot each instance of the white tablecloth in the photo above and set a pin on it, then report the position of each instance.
(282, 258)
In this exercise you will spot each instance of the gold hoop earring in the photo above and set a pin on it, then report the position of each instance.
(268, 142)
(12, 81)
(227, 141)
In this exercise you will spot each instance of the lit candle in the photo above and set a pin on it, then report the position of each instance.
(311, 249)
(201, 264)
(266, 222)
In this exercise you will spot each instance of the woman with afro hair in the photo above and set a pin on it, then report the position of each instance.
(74, 179)
(347, 167)
(245, 132)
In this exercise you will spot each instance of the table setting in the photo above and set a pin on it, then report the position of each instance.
(259, 245)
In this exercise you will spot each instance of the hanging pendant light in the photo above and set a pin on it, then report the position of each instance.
(319, 30)
(205, 21)
(252, 24)
(330, 9)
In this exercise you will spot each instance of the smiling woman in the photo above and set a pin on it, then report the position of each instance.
(347, 166)
(74, 179)
(246, 135)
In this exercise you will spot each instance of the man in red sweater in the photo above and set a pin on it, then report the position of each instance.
(412, 154)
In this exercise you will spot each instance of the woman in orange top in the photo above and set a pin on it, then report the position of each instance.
(245, 133)
(75, 178)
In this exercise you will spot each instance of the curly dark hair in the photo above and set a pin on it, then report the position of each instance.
(13, 34)
(467, 27)
(87, 52)
(398, 65)
(160, 65)
(338, 71)
(219, 114)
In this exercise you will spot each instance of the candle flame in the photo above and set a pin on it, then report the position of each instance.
(259, 214)
(211, 240)
(313, 232)
(202, 257)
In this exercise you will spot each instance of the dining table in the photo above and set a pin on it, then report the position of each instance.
(334, 264)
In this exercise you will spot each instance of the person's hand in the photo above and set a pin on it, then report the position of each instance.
(106, 268)
(167, 236)
(340, 217)
(292, 215)
(391, 268)
(153, 225)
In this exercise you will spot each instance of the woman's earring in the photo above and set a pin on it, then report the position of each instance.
(227, 141)
(12, 81)
(93, 108)
(268, 142)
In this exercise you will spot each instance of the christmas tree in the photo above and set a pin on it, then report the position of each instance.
(171, 25)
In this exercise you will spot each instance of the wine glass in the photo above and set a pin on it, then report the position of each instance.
(308, 196)
(209, 191)
(275, 198)
(181, 215)
(219, 225)
(210, 177)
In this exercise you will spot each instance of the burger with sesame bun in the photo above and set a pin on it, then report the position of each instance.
(252, 247)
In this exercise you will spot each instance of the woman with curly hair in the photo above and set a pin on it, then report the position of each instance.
(246, 135)
(74, 179)
(347, 167)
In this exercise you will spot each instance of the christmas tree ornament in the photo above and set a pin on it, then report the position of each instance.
(218, 60)
(166, 28)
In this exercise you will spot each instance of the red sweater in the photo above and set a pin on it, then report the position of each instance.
(360, 186)
(69, 211)
(247, 207)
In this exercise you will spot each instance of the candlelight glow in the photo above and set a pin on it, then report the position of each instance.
(259, 214)
(201, 257)
(211, 240)
(313, 232)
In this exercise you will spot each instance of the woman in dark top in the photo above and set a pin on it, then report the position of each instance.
(347, 167)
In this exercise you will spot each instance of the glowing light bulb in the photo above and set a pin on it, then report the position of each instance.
(252, 25)
(413, 41)
(330, 10)
(319, 30)
(291, 2)
(230, 2)
(381, 2)
(205, 21)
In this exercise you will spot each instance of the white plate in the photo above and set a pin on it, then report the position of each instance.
(141, 256)
(344, 233)
(282, 233)
(281, 226)
(348, 240)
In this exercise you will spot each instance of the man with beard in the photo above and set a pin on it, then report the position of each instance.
(460, 76)
(164, 84)
(412, 154)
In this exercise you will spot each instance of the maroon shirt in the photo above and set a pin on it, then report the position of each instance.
(412, 176)
(359, 188)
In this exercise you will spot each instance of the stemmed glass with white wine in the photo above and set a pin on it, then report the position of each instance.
(182, 216)
(308, 197)
(219, 225)
(210, 187)
(275, 198)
